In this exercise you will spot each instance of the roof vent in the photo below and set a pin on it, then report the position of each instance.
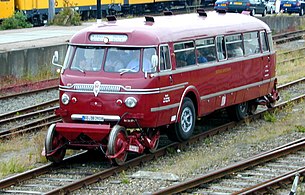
(111, 18)
(201, 12)
(149, 19)
(168, 13)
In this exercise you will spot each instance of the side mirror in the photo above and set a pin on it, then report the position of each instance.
(55, 59)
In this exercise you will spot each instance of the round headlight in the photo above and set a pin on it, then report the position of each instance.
(65, 99)
(131, 102)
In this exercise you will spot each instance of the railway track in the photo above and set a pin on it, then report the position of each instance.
(28, 88)
(288, 36)
(32, 180)
(261, 174)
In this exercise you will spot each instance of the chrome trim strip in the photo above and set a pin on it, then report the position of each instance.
(161, 108)
(236, 89)
(105, 117)
(115, 89)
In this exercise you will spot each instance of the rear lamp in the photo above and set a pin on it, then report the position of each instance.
(131, 102)
(65, 99)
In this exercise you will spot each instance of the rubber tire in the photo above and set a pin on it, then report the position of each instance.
(301, 13)
(49, 141)
(252, 12)
(184, 129)
(239, 111)
(264, 13)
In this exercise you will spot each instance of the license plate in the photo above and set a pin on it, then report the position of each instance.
(238, 3)
(92, 118)
(287, 5)
(223, 4)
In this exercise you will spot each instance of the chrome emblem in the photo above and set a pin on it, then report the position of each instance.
(96, 87)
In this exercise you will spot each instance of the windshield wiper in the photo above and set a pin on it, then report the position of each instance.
(124, 70)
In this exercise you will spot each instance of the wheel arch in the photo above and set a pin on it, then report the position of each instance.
(192, 93)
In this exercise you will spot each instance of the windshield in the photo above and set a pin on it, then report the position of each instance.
(87, 59)
(113, 59)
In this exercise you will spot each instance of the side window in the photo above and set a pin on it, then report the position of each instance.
(234, 46)
(221, 48)
(165, 63)
(251, 43)
(185, 54)
(148, 58)
(205, 50)
(264, 41)
(270, 41)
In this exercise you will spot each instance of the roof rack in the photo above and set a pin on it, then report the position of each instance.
(149, 19)
(111, 18)
(201, 12)
(168, 13)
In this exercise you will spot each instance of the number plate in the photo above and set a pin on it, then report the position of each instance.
(92, 118)
(223, 4)
(287, 5)
(238, 3)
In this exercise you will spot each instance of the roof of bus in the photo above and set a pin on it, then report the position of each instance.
(171, 28)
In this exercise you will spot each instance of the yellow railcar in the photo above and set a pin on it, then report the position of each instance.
(7, 8)
(37, 10)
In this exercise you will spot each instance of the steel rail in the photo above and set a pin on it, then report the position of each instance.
(4, 116)
(242, 165)
(6, 90)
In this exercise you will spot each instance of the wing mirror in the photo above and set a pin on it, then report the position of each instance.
(55, 59)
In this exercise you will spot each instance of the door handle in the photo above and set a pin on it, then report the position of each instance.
(171, 79)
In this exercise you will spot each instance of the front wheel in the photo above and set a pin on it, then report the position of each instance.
(301, 13)
(54, 145)
(184, 129)
(252, 12)
(117, 142)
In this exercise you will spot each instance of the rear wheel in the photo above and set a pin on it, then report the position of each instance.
(264, 13)
(184, 129)
(239, 111)
(117, 140)
(53, 141)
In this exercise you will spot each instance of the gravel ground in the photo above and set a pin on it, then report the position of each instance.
(19, 102)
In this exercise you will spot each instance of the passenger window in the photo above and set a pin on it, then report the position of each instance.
(264, 41)
(205, 50)
(221, 48)
(251, 43)
(234, 46)
(185, 54)
(165, 63)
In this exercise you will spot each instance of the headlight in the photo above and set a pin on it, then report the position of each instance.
(65, 99)
(131, 102)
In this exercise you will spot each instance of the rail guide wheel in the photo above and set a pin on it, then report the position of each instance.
(53, 142)
(117, 142)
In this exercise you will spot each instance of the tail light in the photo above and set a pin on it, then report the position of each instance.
(248, 4)
(298, 4)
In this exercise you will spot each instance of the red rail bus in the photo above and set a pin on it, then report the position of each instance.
(125, 82)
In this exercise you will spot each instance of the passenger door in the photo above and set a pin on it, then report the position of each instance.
(167, 106)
